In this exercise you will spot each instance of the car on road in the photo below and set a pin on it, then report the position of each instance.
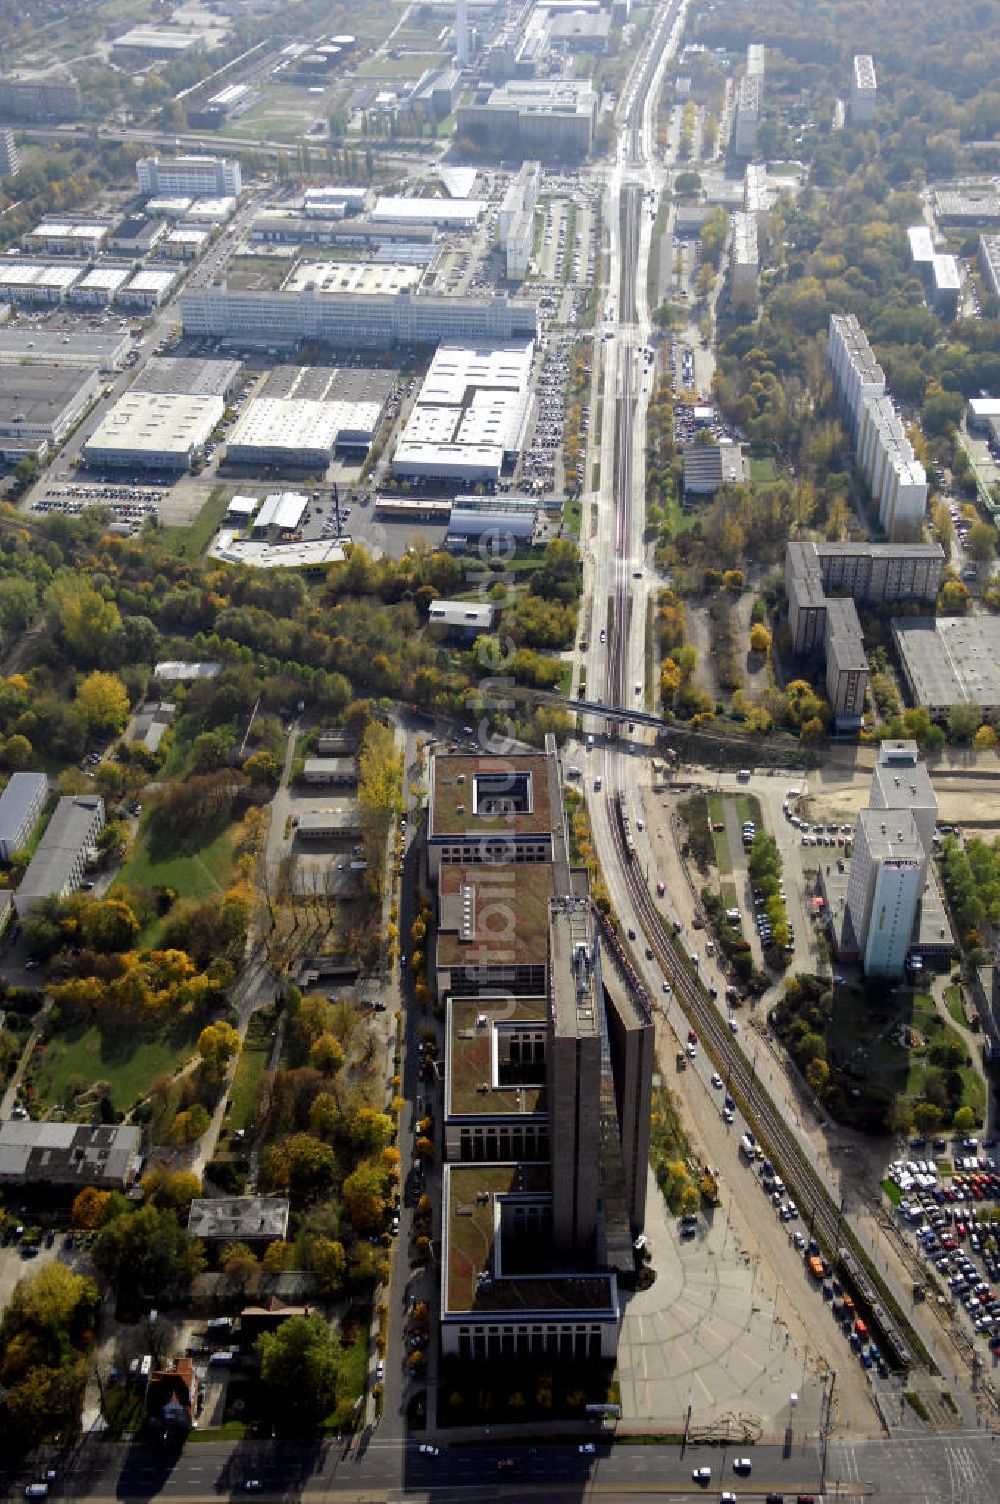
(586, 1449)
(506, 1464)
(428, 1449)
(727, 1496)
(717, 1081)
(379, 1371)
(743, 1466)
(702, 1475)
(692, 1051)
(252, 1486)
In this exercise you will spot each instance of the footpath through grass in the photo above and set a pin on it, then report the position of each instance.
(193, 871)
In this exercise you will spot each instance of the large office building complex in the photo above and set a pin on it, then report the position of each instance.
(547, 118)
(823, 583)
(548, 1076)
(863, 90)
(883, 451)
(191, 177)
(52, 95)
(274, 319)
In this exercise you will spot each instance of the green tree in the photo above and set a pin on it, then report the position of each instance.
(85, 620)
(217, 1044)
(982, 542)
(104, 701)
(299, 1366)
(964, 720)
(964, 1119)
(147, 1252)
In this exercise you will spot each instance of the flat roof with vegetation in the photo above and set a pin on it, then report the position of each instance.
(453, 803)
(470, 1062)
(471, 1230)
(510, 914)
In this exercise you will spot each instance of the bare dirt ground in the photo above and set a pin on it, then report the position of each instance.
(967, 785)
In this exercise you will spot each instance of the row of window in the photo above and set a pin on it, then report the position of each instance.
(524, 1342)
(519, 1141)
(493, 852)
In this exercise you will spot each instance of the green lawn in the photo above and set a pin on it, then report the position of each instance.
(955, 1005)
(571, 517)
(127, 1063)
(194, 871)
(748, 808)
(248, 1072)
(195, 538)
(720, 840)
(866, 1037)
(763, 471)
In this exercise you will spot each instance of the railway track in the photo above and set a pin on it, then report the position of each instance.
(820, 1212)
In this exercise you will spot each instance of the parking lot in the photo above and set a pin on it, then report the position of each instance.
(954, 1221)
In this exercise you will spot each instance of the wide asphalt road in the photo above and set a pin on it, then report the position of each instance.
(909, 1469)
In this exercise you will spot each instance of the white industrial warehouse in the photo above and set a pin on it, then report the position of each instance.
(470, 417)
(300, 432)
(154, 431)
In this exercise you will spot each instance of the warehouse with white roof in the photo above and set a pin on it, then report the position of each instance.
(154, 431)
(300, 432)
(35, 282)
(470, 417)
(100, 286)
(455, 214)
(148, 288)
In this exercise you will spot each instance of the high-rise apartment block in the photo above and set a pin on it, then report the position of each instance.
(516, 221)
(863, 90)
(893, 840)
(883, 451)
(747, 115)
(744, 260)
(548, 1074)
(190, 177)
(888, 873)
(10, 157)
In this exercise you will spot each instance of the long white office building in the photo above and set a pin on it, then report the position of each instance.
(193, 177)
(884, 454)
(863, 90)
(989, 262)
(280, 318)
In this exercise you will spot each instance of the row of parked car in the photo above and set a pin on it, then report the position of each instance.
(958, 1234)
